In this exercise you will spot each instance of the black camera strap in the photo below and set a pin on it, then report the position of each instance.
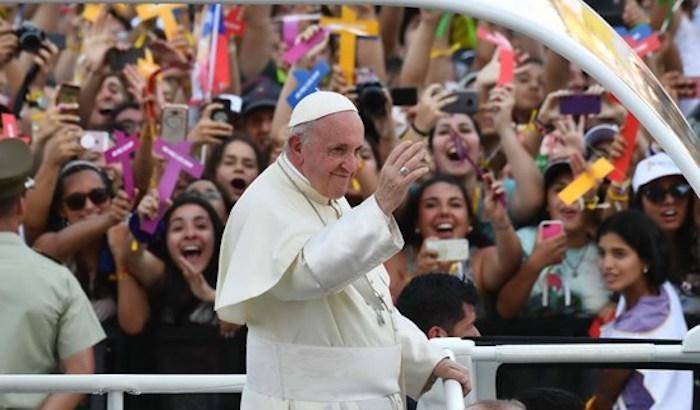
(24, 89)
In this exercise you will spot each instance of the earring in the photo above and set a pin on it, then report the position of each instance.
(646, 270)
(417, 231)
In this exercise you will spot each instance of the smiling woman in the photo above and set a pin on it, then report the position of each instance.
(439, 210)
(634, 262)
(185, 325)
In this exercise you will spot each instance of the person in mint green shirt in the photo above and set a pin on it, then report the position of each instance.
(559, 275)
(47, 322)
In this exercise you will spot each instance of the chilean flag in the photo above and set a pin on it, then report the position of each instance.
(212, 74)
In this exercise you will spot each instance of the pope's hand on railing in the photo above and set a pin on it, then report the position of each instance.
(450, 369)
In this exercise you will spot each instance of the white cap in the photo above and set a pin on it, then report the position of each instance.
(653, 167)
(319, 104)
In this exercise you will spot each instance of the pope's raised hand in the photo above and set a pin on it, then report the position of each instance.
(403, 166)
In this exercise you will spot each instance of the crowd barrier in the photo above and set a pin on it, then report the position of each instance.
(483, 362)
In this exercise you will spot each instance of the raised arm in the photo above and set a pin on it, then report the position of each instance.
(60, 148)
(414, 69)
(499, 262)
(76, 237)
(370, 50)
(529, 193)
(133, 309)
(138, 261)
(515, 293)
(257, 43)
(390, 18)
(369, 234)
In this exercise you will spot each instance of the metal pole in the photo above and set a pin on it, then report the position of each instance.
(115, 400)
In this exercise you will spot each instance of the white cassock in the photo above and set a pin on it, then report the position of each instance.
(305, 274)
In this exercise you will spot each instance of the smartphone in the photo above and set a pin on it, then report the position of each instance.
(449, 250)
(235, 101)
(467, 103)
(404, 96)
(118, 59)
(579, 104)
(551, 228)
(68, 94)
(222, 114)
(173, 123)
(95, 140)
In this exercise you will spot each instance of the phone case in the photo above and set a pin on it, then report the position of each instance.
(450, 250)
(549, 229)
(579, 104)
(174, 123)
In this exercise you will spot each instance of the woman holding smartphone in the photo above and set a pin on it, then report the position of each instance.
(560, 272)
(439, 210)
(634, 261)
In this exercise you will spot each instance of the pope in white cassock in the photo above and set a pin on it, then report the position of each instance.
(304, 271)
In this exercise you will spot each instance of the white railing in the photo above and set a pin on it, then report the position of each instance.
(115, 385)
(482, 361)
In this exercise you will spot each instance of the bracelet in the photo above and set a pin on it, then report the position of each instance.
(419, 132)
(444, 52)
(119, 276)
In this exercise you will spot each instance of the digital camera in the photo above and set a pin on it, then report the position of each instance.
(29, 37)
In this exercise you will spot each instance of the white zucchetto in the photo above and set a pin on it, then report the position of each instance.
(319, 104)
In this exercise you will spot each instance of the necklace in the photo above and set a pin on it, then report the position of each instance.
(574, 268)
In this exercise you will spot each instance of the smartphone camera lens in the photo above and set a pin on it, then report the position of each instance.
(220, 116)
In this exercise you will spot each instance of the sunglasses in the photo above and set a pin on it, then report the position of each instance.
(76, 201)
(657, 194)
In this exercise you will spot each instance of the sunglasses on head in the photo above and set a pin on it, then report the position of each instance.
(76, 201)
(657, 194)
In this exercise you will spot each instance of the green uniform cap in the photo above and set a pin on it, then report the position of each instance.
(15, 167)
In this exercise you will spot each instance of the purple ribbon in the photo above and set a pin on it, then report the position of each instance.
(179, 160)
(462, 153)
(121, 152)
(297, 51)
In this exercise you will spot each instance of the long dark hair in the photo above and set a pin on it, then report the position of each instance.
(681, 253)
(409, 218)
(55, 221)
(217, 154)
(641, 234)
(175, 293)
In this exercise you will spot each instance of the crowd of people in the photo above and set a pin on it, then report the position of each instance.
(488, 237)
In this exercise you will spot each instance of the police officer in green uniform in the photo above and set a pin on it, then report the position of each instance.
(47, 324)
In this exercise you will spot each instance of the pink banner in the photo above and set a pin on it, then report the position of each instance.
(297, 51)
(506, 55)
(290, 30)
(179, 159)
(9, 126)
(126, 144)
